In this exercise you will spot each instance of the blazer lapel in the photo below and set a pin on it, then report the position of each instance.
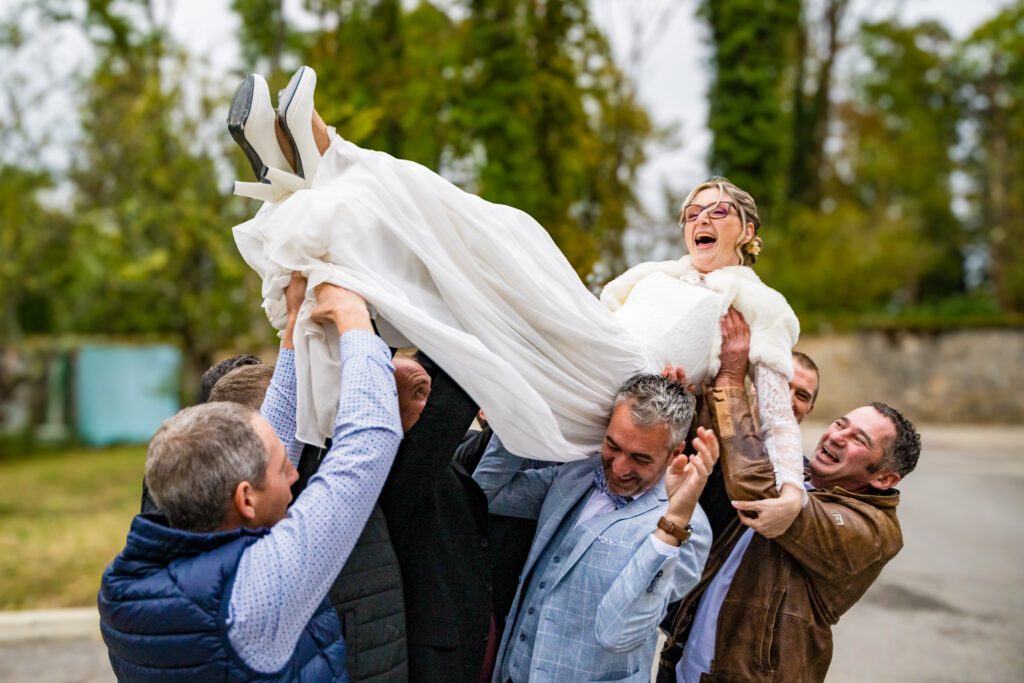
(593, 527)
(565, 493)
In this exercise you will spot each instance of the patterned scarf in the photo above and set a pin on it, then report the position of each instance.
(602, 485)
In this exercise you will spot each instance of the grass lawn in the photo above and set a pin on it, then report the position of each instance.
(63, 518)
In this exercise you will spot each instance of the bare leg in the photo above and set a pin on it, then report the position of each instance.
(282, 142)
(320, 136)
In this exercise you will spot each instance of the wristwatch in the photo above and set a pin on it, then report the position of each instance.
(672, 529)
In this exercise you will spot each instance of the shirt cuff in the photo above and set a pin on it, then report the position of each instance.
(666, 549)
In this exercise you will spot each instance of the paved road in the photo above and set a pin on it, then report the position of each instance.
(949, 608)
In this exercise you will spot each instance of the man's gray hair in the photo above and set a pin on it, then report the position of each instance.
(656, 400)
(197, 459)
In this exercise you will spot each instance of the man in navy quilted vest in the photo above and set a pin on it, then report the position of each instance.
(231, 584)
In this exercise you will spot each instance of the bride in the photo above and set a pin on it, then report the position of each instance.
(483, 290)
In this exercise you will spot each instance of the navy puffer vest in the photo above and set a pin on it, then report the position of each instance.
(163, 605)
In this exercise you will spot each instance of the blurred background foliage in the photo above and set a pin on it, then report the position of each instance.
(890, 190)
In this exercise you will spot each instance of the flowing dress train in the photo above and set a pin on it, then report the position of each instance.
(479, 287)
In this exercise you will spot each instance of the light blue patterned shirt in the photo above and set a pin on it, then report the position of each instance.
(282, 577)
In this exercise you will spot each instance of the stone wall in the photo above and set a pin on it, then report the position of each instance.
(942, 377)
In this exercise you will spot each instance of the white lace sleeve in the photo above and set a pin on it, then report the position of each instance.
(779, 428)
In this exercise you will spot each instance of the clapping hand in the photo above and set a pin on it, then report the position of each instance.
(686, 476)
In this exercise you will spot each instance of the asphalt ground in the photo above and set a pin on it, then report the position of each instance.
(948, 608)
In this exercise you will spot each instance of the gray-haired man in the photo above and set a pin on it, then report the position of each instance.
(231, 585)
(619, 535)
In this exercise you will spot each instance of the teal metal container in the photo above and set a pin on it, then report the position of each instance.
(123, 393)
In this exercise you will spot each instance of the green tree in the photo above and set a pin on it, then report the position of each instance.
(899, 134)
(818, 45)
(517, 100)
(151, 248)
(557, 123)
(755, 49)
(33, 241)
(991, 62)
(33, 227)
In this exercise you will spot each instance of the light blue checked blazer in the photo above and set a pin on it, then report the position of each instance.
(600, 618)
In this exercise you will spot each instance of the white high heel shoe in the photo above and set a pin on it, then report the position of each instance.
(251, 124)
(273, 187)
(295, 114)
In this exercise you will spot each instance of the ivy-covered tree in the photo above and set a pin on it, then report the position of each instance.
(560, 131)
(755, 49)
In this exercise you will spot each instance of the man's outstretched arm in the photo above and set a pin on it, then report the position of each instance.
(282, 578)
(427, 448)
(744, 458)
(279, 403)
(511, 490)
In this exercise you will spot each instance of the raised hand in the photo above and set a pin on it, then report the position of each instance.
(344, 308)
(677, 374)
(686, 476)
(294, 293)
(735, 349)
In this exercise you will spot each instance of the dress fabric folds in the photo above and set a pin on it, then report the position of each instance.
(479, 287)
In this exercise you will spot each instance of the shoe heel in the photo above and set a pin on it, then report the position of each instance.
(295, 114)
(238, 114)
(285, 180)
(251, 121)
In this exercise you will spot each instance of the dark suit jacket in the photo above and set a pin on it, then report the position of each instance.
(437, 516)
(367, 594)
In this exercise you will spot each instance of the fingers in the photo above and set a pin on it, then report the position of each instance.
(734, 325)
(728, 325)
(770, 517)
(676, 374)
(333, 301)
(294, 292)
(695, 470)
(329, 293)
(700, 468)
(706, 446)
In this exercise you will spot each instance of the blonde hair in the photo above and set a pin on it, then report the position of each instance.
(747, 251)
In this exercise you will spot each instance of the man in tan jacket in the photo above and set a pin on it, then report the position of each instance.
(764, 608)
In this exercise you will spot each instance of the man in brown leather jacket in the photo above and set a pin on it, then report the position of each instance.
(764, 608)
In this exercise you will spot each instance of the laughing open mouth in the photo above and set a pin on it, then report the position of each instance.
(705, 239)
(828, 454)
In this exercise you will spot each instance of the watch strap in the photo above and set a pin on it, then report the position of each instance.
(682, 534)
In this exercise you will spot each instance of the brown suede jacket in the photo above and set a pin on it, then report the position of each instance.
(775, 623)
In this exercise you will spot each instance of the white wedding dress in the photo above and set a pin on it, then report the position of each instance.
(483, 290)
